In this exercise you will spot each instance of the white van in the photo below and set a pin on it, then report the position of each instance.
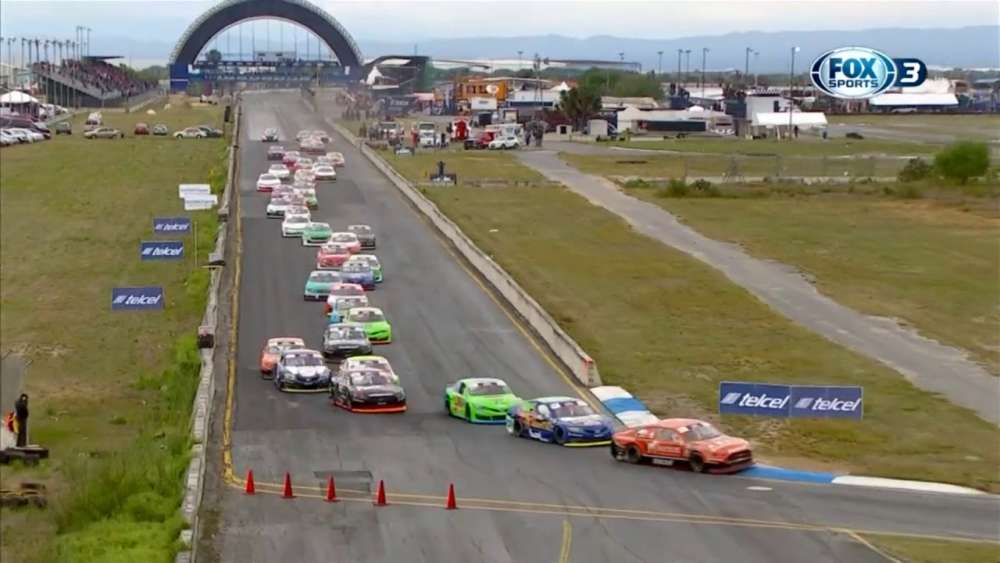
(95, 119)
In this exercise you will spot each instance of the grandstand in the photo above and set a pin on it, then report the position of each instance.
(92, 80)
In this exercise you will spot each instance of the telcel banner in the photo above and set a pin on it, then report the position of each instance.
(136, 298)
(811, 401)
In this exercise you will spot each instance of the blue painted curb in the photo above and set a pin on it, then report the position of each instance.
(781, 474)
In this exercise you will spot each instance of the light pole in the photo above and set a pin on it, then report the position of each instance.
(704, 56)
(679, 53)
(791, 84)
(687, 64)
(659, 62)
(519, 53)
(746, 70)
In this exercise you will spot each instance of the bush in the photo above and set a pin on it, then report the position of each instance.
(963, 160)
(637, 183)
(915, 169)
(705, 188)
(676, 188)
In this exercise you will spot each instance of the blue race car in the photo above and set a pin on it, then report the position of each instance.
(563, 420)
(358, 272)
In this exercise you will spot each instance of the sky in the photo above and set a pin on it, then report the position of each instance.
(157, 20)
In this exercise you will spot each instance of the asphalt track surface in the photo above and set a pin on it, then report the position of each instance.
(519, 500)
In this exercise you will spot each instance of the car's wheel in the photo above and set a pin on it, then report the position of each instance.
(633, 455)
(518, 429)
(559, 435)
(697, 463)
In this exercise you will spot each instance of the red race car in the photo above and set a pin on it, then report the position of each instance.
(332, 255)
(698, 443)
(342, 289)
(273, 350)
(289, 158)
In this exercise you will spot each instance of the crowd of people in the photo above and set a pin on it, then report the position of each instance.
(99, 75)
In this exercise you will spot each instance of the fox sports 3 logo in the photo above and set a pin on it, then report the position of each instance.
(859, 72)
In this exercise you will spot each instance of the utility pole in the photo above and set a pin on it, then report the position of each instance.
(791, 84)
(746, 69)
(88, 41)
(704, 57)
(687, 64)
(680, 52)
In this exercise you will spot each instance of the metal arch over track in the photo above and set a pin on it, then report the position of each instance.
(227, 13)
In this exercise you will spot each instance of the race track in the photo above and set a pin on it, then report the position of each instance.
(446, 326)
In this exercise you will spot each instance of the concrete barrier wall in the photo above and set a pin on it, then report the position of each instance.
(565, 348)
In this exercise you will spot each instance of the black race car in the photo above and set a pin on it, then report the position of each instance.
(367, 390)
(365, 234)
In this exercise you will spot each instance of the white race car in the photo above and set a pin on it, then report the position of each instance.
(280, 171)
(298, 211)
(324, 173)
(337, 159)
(267, 182)
(293, 225)
(277, 207)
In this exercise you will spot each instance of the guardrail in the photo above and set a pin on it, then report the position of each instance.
(201, 412)
(565, 348)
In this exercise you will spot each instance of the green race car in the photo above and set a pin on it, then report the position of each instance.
(309, 195)
(482, 400)
(316, 234)
(378, 328)
(318, 284)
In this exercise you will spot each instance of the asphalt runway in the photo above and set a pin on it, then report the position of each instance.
(519, 500)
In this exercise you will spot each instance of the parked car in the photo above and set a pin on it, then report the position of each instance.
(190, 133)
(160, 129)
(141, 129)
(505, 142)
(64, 128)
(211, 131)
(481, 141)
(104, 133)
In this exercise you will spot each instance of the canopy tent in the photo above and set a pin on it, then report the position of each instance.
(562, 87)
(914, 100)
(14, 98)
(800, 119)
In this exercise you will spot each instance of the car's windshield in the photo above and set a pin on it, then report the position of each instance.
(356, 267)
(480, 388)
(349, 290)
(344, 237)
(367, 316)
(569, 409)
(348, 302)
(700, 431)
(323, 277)
(267, 177)
(376, 363)
(319, 226)
(296, 219)
(347, 333)
(367, 378)
(360, 229)
(303, 360)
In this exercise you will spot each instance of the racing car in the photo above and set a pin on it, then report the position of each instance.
(672, 440)
(308, 195)
(277, 207)
(293, 225)
(297, 211)
(280, 171)
(339, 289)
(336, 158)
(341, 304)
(378, 328)
(318, 284)
(275, 152)
(359, 272)
(367, 390)
(270, 135)
(267, 182)
(349, 239)
(483, 400)
(373, 264)
(331, 256)
(563, 420)
(273, 349)
(316, 234)
(289, 158)
(324, 173)
(301, 370)
(365, 234)
(344, 340)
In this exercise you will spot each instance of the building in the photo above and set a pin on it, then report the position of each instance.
(664, 121)
(933, 95)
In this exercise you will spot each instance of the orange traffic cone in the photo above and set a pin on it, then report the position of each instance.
(287, 492)
(331, 491)
(451, 505)
(380, 495)
(250, 489)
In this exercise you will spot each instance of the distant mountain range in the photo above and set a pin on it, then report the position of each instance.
(965, 47)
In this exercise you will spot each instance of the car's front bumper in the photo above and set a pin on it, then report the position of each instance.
(311, 295)
(380, 337)
(291, 234)
(318, 385)
(487, 417)
(314, 241)
(374, 406)
(346, 351)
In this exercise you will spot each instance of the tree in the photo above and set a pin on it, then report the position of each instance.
(579, 104)
(213, 56)
(963, 160)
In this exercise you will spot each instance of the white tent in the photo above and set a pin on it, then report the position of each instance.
(563, 87)
(15, 97)
(914, 100)
(801, 119)
(373, 76)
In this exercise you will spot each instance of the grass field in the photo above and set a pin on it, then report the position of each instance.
(652, 165)
(983, 127)
(773, 147)
(669, 329)
(915, 550)
(933, 264)
(110, 392)
(478, 167)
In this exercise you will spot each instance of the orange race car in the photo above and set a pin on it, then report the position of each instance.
(673, 440)
(273, 349)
